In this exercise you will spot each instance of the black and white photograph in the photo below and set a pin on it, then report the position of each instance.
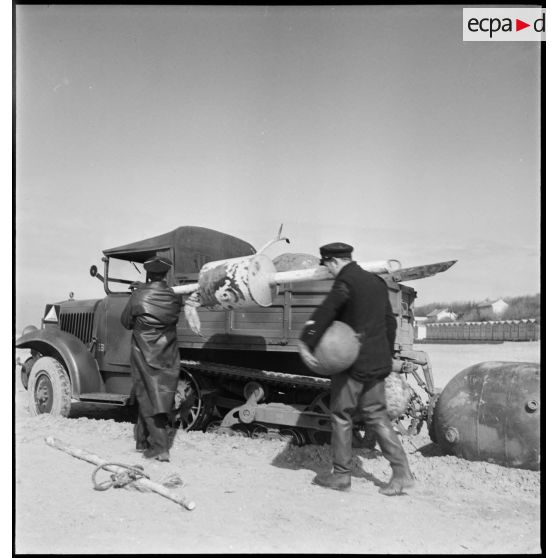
(278, 279)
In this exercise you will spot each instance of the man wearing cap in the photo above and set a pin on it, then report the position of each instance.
(152, 313)
(360, 299)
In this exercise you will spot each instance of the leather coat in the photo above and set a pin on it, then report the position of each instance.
(152, 313)
(360, 299)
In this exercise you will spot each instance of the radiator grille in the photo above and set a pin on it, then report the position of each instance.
(78, 324)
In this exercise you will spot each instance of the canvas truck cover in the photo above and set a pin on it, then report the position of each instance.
(189, 248)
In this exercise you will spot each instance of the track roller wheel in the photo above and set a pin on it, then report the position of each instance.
(258, 432)
(293, 436)
(236, 430)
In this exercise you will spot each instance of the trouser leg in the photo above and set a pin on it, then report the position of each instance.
(158, 434)
(373, 410)
(343, 402)
(141, 433)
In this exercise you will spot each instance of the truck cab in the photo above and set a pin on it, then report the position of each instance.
(85, 340)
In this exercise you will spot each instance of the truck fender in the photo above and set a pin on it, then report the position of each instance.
(71, 352)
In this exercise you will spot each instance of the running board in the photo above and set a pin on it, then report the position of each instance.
(107, 398)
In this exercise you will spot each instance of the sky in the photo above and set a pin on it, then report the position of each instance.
(372, 125)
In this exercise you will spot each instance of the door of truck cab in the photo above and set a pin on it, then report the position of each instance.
(118, 341)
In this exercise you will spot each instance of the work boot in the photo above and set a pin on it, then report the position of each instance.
(335, 481)
(398, 483)
(154, 453)
(158, 438)
(393, 451)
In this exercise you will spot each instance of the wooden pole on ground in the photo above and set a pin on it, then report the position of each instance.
(142, 482)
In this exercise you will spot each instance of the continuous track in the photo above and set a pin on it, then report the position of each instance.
(239, 372)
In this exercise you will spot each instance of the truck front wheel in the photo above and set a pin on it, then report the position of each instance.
(49, 388)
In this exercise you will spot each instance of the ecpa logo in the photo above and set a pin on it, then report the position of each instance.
(504, 24)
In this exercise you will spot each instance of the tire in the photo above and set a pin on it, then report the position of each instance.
(48, 390)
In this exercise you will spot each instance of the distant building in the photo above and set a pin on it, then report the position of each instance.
(441, 315)
(490, 309)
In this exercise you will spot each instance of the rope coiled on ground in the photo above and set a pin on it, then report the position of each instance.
(118, 480)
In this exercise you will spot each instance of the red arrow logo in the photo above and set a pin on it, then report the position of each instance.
(519, 25)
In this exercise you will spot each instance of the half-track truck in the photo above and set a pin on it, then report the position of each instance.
(242, 374)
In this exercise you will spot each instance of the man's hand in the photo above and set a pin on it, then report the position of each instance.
(307, 357)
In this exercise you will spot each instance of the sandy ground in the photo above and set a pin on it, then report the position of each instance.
(255, 496)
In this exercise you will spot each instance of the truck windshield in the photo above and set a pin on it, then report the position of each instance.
(120, 271)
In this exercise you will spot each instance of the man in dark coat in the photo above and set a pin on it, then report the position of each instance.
(359, 299)
(152, 313)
